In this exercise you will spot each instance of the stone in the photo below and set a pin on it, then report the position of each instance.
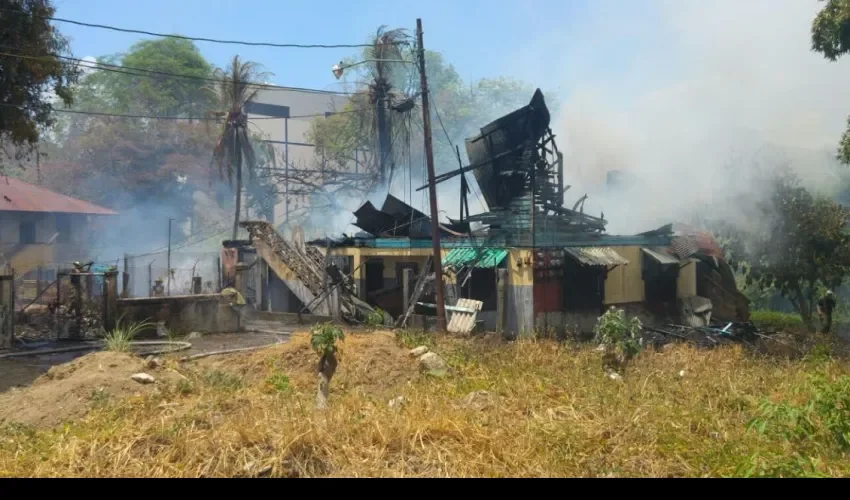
(432, 363)
(143, 378)
(682, 374)
(397, 403)
(615, 376)
(477, 400)
(193, 336)
(419, 351)
(152, 362)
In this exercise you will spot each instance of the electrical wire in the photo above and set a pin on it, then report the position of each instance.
(195, 38)
(160, 117)
(114, 68)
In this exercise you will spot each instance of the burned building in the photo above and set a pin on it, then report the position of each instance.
(534, 262)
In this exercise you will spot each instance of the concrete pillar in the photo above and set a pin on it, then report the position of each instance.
(76, 305)
(196, 285)
(406, 288)
(501, 299)
(110, 302)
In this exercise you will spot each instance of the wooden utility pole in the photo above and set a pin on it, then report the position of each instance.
(432, 185)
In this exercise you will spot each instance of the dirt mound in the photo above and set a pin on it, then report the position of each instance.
(68, 391)
(369, 361)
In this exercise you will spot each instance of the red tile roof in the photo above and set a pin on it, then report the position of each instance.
(19, 196)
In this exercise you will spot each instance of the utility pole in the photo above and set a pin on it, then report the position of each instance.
(381, 122)
(168, 269)
(432, 185)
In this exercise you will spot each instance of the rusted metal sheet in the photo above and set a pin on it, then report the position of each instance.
(548, 294)
(463, 321)
(19, 196)
(596, 256)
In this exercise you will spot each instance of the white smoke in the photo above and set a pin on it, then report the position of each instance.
(708, 90)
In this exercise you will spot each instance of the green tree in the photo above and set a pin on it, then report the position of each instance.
(831, 37)
(458, 106)
(803, 246)
(323, 339)
(25, 83)
(233, 150)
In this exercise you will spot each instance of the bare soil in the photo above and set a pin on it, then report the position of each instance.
(68, 391)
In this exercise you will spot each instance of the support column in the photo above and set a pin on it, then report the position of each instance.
(406, 284)
(501, 299)
(110, 291)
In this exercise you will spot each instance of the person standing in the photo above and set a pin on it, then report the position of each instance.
(826, 305)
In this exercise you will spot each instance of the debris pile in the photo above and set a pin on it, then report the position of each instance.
(701, 336)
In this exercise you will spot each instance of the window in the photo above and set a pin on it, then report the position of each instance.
(27, 235)
(63, 227)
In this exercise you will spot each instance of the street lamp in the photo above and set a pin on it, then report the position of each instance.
(339, 69)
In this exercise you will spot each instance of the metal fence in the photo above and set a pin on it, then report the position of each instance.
(187, 268)
(7, 308)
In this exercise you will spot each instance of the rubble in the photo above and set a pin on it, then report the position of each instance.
(432, 363)
(701, 336)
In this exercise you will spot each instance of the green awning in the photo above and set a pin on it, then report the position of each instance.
(478, 257)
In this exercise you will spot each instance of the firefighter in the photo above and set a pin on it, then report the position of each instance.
(826, 305)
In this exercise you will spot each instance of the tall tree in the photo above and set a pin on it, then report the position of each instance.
(233, 151)
(831, 37)
(803, 245)
(25, 84)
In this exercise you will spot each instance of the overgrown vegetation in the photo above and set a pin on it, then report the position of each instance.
(376, 319)
(526, 408)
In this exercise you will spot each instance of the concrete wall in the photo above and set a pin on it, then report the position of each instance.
(183, 314)
(520, 293)
(285, 318)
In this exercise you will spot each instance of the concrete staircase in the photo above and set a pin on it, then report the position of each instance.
(303, 272)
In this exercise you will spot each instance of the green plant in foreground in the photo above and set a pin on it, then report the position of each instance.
(823, 421)
(376, 319)
(121, 337)
(619, 337)
(323, 339)
(279, 382)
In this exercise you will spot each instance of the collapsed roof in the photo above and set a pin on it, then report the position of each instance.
(397, 218)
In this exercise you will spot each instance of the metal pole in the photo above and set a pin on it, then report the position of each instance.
(286, 169)
(168, 264)
(432, 185)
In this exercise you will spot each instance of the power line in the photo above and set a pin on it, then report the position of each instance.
(114, 68)
(160, 117)
(198, 39)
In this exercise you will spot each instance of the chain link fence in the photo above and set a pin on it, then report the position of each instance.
(149, 274)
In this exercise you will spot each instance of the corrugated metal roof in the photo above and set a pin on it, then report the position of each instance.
(596, 256)
(464, 322)
(19, 196)
(661, 257)
(482, 257)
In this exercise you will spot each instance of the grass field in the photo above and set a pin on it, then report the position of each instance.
(528, 408)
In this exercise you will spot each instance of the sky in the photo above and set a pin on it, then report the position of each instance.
(684, 93)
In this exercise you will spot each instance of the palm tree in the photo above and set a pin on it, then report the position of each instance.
(233, 149)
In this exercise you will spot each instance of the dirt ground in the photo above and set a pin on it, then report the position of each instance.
(46, 390)
(67, 391)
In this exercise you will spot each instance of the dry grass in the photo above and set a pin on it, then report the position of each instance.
(549, 411)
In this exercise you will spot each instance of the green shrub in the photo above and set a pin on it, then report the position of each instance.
(777, 321)
(619, 337)
(121, 337)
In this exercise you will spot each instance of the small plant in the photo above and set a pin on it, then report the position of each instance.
(376, 319)
(824, 420)
(415, 338)
(279, 382)
(619, 337)
(222, 380)
(121, 337)
(99, 397)
(323, 339)
(184, 387)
